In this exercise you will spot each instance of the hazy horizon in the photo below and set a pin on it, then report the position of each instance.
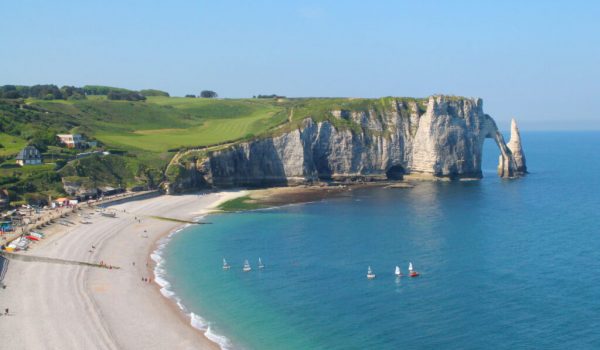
(534, 61)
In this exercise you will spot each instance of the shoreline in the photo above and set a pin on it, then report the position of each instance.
(154, 257)
(76, 307)
(121, 310)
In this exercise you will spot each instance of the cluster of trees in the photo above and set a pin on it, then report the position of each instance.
(125, 96)
(114, 93)
(72, 93)
(53, 92)
(208, 94)
(154, 92)
(42, 92)
(268, 96)
(205, 94)
(101, 90)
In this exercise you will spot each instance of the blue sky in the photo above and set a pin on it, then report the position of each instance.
(535, 60)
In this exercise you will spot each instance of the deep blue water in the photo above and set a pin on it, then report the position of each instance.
(505, 264)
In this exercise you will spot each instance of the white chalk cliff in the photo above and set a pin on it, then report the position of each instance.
(444, 141)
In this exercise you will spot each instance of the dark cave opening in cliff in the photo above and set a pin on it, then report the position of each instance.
(395, 172)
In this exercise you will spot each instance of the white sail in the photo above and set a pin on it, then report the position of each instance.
(370, 274)
(410, 267)
(224, 262)
(398, 271)
(260, 264)
(247, 265)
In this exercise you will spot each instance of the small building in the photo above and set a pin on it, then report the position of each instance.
(71, 140)
(29, 156)
(61, 201)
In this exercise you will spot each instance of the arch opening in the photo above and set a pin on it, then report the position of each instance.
(395, 172)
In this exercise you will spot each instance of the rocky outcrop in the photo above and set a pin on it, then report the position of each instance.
(512, 159)
(78, 188)
(516, 149)
(365, 145)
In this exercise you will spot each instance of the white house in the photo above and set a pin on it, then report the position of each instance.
(29, 156)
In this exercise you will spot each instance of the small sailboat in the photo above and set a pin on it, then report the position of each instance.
(260, 264)
(370, 274)
(225, 265)
(246, 266)
(411, 271)
(398, 273)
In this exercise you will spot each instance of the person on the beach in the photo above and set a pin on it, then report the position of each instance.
(6, 311)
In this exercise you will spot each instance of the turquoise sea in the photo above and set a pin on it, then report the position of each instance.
(505, 264)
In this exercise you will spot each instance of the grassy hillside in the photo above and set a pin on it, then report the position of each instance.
(193, 122)
(144, 135)
(10, 145)
(161, 124)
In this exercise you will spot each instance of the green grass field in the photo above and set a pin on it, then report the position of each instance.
(240, 204)
(25, 171)
(161, 124)
(11, 145)
(209, 123)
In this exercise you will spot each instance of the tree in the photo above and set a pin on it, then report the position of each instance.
(125, 96)
(208, 94)
(190, 96)
(45, 92)
(72, 93)
(154, 92)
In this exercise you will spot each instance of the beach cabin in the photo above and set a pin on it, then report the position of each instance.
(29, 156)
(61, 201)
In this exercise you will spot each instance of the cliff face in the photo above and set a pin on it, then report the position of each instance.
(445, 141)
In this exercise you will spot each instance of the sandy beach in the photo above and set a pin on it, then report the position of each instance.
(55, 306)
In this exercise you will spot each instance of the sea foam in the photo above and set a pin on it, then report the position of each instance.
(223, 342)
(160, 273)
